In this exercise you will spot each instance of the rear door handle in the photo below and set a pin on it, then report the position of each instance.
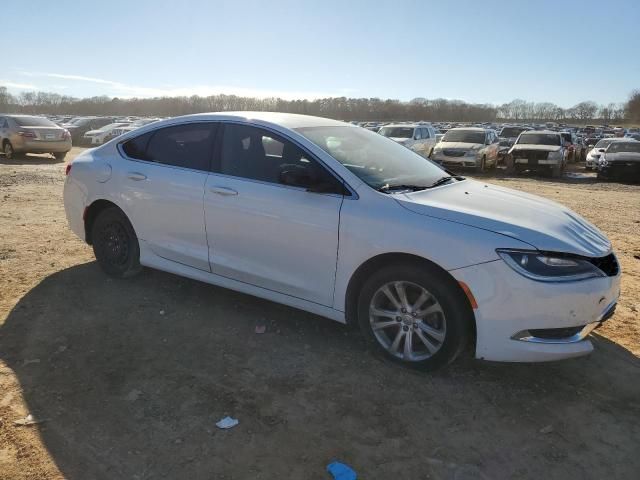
(223, 191)
(136, 176)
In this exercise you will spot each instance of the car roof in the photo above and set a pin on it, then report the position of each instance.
(407, 125)
(287, 120)
(542, 131)
(473, 129)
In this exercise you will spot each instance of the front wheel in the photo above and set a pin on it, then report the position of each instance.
(8, 150)
(483, 163)
(115, 244)
(416, 316)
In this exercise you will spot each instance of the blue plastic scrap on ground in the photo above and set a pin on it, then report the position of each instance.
(340, 471)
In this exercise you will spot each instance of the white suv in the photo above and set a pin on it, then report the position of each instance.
(421, 138)
(345, 223)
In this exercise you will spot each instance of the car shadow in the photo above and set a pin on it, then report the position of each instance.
(131, 377)
(30, 159)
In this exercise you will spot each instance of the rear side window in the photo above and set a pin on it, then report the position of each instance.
(187, 146)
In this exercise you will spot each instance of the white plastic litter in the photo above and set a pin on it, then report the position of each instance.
(28, 420)
(227, 422)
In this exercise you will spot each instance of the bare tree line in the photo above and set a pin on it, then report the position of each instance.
(343, 108)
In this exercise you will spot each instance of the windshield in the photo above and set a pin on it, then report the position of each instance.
(511, 132)
(617, 147)
(604, 143)
(34, 122)
(539, 139)
(376, 160)
(464, 136)
(397, 132)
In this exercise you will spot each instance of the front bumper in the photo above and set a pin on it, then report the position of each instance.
(512, 309)
(447, 161)
(620, 169)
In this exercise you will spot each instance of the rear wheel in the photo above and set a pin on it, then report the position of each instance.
(115, 244)
(60, 156)
(414, 316)
(8, 150)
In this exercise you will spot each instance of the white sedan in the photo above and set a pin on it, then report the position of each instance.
(345, 223)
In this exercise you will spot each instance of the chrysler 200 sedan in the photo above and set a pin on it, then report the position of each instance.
(345, 223)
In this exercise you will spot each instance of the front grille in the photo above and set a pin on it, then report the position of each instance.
(556, 333)
(531, 155)
(453, 153)
(608, 264)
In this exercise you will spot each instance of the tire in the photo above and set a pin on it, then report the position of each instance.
(115, 244)
(7, 148)
(60, 156)
(446, 327)
(556, 171)
(587, 168)
(480, 168)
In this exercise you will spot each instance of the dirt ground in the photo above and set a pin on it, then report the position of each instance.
(129, 377)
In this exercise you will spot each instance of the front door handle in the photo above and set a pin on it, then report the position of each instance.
(223, 191)
(136, 176)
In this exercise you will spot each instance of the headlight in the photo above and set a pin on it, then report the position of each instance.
(550, 267)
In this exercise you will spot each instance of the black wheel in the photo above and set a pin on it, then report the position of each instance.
(7, 148)
(115, 244)
(556, 170)
(480, 168)
(60, 156)
(416, 316)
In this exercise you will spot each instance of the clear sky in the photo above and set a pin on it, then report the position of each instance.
(485, 51)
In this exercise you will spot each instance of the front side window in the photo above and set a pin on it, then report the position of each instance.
(418, 134)
(187, 146)
(257, 154)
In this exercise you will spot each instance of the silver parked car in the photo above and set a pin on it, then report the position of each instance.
(468, 147)
(30, 134)
(419, 137)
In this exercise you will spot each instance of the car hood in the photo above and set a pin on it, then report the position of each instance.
(399, 139)
(541, 148)
(460, 145)
(542, 223)
(623, 157)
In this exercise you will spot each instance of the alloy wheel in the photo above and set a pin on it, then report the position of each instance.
(407, 321)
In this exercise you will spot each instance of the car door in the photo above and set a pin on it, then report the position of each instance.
(266, 229)
(161, 181)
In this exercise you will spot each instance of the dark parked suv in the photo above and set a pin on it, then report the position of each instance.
(81, 125)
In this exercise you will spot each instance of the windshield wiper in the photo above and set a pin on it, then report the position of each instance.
(387, 188)
(441, 181)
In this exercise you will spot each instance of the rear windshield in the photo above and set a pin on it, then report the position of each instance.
(34, 122)
(396, 132)
(617, 147)
(464, 136)
(511, 132)
(539, 139)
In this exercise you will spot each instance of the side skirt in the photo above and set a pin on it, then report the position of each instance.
(151, 260)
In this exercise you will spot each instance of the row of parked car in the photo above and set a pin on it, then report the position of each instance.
(519, 147)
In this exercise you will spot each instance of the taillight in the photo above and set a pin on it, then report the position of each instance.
(27, 134)
(67, 169)
(66, 135)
